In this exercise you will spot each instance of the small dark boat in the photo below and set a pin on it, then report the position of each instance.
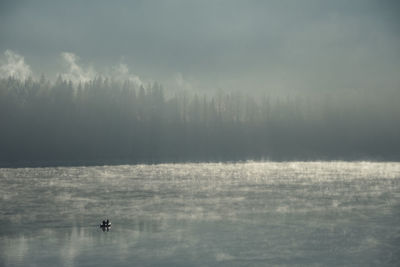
(105, 225)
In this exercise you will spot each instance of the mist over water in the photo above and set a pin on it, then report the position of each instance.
(273, 129)
(258, 214)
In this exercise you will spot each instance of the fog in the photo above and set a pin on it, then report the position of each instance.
(242, 45)
(151, 81)
(111, 120)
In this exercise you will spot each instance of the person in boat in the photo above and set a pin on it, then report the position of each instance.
(107, 222)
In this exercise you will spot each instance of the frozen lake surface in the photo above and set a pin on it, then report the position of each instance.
(243, 214)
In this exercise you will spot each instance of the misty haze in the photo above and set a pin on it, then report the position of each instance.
(104, 120)
(209, 133)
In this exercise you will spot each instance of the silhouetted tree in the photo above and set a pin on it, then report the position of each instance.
(106, 119)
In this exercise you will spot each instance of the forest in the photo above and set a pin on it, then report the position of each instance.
(111, 121)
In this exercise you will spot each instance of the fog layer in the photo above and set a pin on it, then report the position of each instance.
(228, 44)
(107, 119)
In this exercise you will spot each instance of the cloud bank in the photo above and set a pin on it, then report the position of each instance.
(229, 44)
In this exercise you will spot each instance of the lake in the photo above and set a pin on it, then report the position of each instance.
(202, 214)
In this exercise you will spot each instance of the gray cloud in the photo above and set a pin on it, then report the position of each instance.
(243, 45)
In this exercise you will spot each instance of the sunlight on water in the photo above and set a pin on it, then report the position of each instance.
(288, 213)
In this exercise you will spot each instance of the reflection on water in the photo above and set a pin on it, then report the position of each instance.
(105, 228)
(66, 246)
(257, 214)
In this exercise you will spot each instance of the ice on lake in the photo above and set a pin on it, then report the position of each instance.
(204, 214)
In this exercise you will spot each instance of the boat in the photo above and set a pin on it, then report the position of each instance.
(105, 225)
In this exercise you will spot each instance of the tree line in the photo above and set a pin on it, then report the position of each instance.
(116, 121)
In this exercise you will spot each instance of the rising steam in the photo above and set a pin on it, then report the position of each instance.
(75, 72)
(14, 66)
(121, 72)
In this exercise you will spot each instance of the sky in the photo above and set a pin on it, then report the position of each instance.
(207, 45)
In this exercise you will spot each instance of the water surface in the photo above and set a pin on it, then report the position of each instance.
(243, 214)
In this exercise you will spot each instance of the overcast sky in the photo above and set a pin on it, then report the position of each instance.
(241, 45)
